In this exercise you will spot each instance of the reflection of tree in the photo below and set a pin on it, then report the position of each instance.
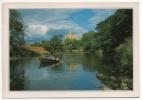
(91, 62)
(112, 76)
(106, 72)
(17, 78)
(72, 60)
(57, 67)
(72, 66)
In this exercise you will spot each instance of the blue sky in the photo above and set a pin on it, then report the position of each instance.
(42, 24)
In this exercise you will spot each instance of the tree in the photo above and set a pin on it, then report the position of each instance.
(89, 41)
(47, 46)
(17, 33)
(114, 30)
(56, 43)
(72, 44)
(114, 37)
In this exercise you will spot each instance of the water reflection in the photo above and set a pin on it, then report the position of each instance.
(76, 72)
(72, 67)
(17, 77)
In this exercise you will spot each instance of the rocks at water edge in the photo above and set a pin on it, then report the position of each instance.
(111, 82)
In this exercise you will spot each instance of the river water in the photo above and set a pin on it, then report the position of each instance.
(76, 72)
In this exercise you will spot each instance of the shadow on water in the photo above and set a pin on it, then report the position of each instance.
(92, 62)
(17, 77)
(76, 72)
(54, 67)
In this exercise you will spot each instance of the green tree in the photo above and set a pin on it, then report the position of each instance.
(56, 43)
(47, 46)
(113, 31)
(114, 37)
(72, 44)
(16, 33)
(88, 41)
(124, 58)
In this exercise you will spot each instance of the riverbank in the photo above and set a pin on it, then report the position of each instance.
(117, 83)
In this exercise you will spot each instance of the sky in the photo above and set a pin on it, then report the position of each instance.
(42, 24)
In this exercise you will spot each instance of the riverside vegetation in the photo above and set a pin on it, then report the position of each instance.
(112, 42)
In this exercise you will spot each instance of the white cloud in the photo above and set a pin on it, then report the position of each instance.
(65, 24)
(62, 24)
(39, 22)
(37, 30)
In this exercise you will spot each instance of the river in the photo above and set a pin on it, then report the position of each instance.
(76, 72)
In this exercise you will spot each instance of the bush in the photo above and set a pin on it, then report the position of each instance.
(124, 55)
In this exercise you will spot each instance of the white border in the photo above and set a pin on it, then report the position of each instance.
(29, 94)
(70, 0)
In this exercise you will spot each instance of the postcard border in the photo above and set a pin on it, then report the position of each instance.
(68, 93)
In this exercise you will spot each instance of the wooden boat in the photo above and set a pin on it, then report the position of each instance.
(48, 60)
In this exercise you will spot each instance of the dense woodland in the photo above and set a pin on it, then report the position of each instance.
(112, 36)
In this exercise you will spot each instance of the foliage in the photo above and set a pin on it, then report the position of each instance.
(53, 45)
(47, 46)
(113, 31)
(88, 41)
(56, 43)
(125, 57)
(71, 44)
(115, 39)
(17, 33)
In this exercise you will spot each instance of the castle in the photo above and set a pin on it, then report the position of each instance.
(71, 36)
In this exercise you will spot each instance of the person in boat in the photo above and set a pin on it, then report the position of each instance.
(57, 58)
(50, 56)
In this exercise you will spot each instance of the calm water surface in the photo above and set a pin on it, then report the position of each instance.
(76, 72)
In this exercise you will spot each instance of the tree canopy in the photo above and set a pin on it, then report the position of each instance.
(17, 33)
